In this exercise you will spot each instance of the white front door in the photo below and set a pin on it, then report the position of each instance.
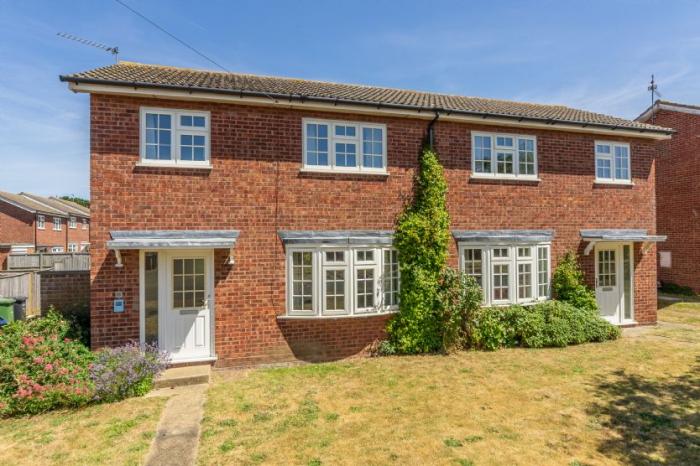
(613, 282)
(186, 305)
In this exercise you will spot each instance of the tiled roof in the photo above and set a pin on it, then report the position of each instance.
(157, 76)
(29, 204)
(45, 205)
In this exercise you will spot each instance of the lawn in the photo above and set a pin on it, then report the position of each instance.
(119, 433)
(632, 401)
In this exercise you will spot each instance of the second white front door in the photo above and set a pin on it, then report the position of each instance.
(613, 282)
(186, 309)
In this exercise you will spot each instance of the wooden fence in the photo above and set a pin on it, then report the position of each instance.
(63, 262)
(23, 284)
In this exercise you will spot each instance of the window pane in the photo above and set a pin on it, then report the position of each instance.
(622, 160)
(372, 148)
(500, 282)
(603, 168)
(627, 280)
(335, 290)
(317, 144)
(391, 277)
(199, 121)
(526, 156)
(365, 288)
(504, 162)
(482, 154)
(473, 264)
(543, 271)
(345, 155)
(302, 286)
(186, 120)
(150, 282)
(524, 281)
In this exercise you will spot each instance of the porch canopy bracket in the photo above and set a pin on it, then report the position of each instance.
(336, 237)
(172, 239)
(619, 235)
(503, 236)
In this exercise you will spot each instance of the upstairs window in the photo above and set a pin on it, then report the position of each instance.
(40, 222)
(508, 156)
(57, 223)
(342, 146)
(72, 223)
(612, 162)
(85, 224)
(174, 137)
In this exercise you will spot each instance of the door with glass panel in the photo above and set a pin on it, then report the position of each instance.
(614, 275)
(185, 312)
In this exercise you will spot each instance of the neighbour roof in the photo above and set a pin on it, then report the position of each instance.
(667, 105)
(130, 74)
(144, 239)
(620, 235)
(67, 207)
(30, 204)
(521, 236)
(336, 236)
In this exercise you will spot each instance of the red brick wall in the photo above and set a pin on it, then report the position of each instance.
(255, 186)
(16, 225)
(678, 197)
(65, 291)
(48, 237)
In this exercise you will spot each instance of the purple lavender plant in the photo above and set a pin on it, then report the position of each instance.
(126, 371)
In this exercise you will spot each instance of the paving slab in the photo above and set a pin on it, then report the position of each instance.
(185, 375)
(178, 432)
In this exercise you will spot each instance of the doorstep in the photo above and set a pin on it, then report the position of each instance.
(185, 375)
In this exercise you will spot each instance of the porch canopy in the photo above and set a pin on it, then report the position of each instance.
(618, 235)
(338, 237)
(172, 239)
(506, 236)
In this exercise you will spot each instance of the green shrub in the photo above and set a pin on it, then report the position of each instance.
(421, 238)
(672, 288)
(41, 368)
(459, 301)
(568, 284)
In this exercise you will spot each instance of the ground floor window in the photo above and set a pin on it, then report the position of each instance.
(341, 280)
(508, 274)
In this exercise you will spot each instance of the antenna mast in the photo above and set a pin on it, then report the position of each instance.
(113, 50)
(652, 88)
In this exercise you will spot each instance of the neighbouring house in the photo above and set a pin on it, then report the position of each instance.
(33, 224)
(248, 219)
(678, 192)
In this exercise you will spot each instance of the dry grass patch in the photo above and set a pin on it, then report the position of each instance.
(109, 434)
(630, 401)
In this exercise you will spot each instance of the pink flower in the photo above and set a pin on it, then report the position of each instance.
(48, 367)
(39, 360)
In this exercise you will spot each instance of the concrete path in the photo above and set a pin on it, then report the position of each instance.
(178, 433)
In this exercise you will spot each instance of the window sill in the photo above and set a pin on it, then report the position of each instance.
(612, 183)
(351, 316)
(524, 179)
(326, 171)
(183, 166)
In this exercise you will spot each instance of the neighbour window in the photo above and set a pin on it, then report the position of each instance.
(40, 222)
(85, 224)
(72, 247)
(504, 156)
(84, 246)
(330, 281)
(344, 146)
(174, 137)
(508, 274)
(612, 162)
(72, 223)
(57, 249)
(57, 223)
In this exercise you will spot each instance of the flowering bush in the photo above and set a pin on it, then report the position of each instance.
(126, 371)
(41, 368)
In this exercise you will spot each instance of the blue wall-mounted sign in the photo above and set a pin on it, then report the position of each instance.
(118, 305)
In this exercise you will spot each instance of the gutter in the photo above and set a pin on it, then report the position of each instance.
(336, 100)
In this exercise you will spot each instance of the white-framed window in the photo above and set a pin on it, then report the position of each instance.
(332, 280)
(84, 246)
(343, 146)
(85, 224)
(612, 162)
(72, 223)
(72, 247)
(57, 249)
(508, 273)
(57, 223)
(508, 156)
(175, 137)
(41, 222)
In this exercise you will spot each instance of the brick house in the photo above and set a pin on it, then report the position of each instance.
(248, 219)
(31, 223)
(678, 192)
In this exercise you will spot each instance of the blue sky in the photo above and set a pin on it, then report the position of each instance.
(596, 55)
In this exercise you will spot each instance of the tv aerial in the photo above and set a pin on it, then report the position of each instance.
(113, 50)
